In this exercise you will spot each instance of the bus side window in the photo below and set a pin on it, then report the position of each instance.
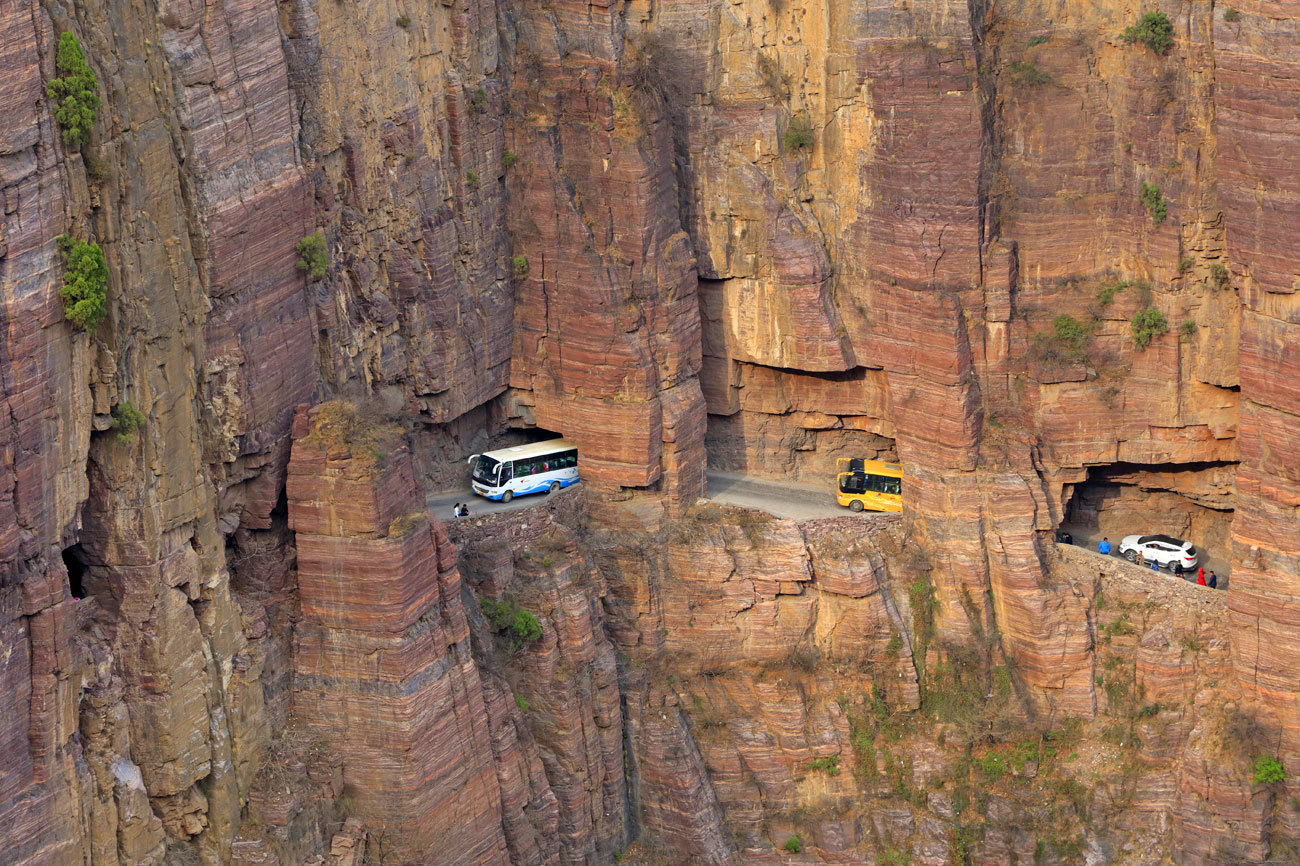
(507, 471)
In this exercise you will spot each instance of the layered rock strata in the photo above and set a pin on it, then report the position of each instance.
(382, 667)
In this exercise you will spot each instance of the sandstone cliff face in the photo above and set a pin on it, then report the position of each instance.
(779, 231)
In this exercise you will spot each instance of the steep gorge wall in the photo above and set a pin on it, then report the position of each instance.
(879, 291)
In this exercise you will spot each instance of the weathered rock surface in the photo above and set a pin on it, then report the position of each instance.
(778, 232)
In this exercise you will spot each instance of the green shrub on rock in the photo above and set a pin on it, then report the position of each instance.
(312, 257)
(799, 134)
(75, 92)
(1147, 325)
(1154, 30)
(1269, 770)
(126, 420)
(1156, 207)
(85, 284)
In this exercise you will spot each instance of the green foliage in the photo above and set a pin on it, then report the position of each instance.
(894, 646)
(477, 100)
(829, 764)
(1154, 30)
(1269, 770)
(312, 257)
(75, 92)
(85, 283)
(1146, 326)
(794, 844)
(518, 625)
(519, 265)
(403, 21)
(471, 178)
(1187, 329)
(1028, 74)
(508, 159)
(1155, 203)
(1069, 331)
(522, 704)
(799, 134)
(1106, 293)
(1185, 264)
(1037, 40)
(1220, 275)
(126, 420)
(1231, 15)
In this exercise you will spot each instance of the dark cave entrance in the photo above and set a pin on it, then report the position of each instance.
(1192, 501)
(74, 560)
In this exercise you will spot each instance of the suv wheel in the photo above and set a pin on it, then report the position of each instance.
(1131, 555)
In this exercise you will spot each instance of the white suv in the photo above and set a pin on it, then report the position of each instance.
(1165, 550)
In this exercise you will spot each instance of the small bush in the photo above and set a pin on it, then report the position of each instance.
(1146, 326)
(1220, 275)
(1187, 329)
(126, 420)
(1231, 15)
(477, 100)
(894, 646)
(1154, 30)
(830, 765)
(1029, 74)
(85, 283)
(1185, 264)
(1037, 40)
(75, 92)
(1269, 770)
(508, 159)
(471, 178)
(794, 845)
(403, 21)
(1107, 291)
(799, 134)
(519, 265)
(1155, 203)
(518, 625)
(1069, 331)
(522, 704)
(312, 257)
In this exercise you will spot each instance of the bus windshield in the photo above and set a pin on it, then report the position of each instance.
(485, 470)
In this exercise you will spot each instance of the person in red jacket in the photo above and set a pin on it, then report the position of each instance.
(1200, 577)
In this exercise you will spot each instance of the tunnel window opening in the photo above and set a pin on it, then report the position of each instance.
(1193, 502)
(74, 560)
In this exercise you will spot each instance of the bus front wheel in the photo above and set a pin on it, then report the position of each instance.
(555, 485)
(507, 496)
(856, 505)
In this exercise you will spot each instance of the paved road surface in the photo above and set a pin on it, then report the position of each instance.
(1211, 560)
(783, 499)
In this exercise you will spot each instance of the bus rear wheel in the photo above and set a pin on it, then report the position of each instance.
(507, 496)
(555, 485)
(855, 505)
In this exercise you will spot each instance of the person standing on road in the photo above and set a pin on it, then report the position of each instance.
(1104, 547)
(1200, 577)
(455, 510)
(1213, 582)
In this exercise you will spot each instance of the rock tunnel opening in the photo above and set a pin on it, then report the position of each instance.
(74, 560)
(1191, 501)
(794, 424)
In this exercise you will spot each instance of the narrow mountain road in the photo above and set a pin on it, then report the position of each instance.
(779, 498)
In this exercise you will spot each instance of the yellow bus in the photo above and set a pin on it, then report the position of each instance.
(870, 484)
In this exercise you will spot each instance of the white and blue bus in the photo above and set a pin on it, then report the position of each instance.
(523, 469)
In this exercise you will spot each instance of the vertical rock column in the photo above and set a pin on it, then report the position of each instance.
(1258, 80)
(382, 659)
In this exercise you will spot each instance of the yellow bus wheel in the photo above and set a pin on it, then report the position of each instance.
(856, 505)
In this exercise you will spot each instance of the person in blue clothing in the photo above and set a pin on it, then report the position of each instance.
(1104, 546)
